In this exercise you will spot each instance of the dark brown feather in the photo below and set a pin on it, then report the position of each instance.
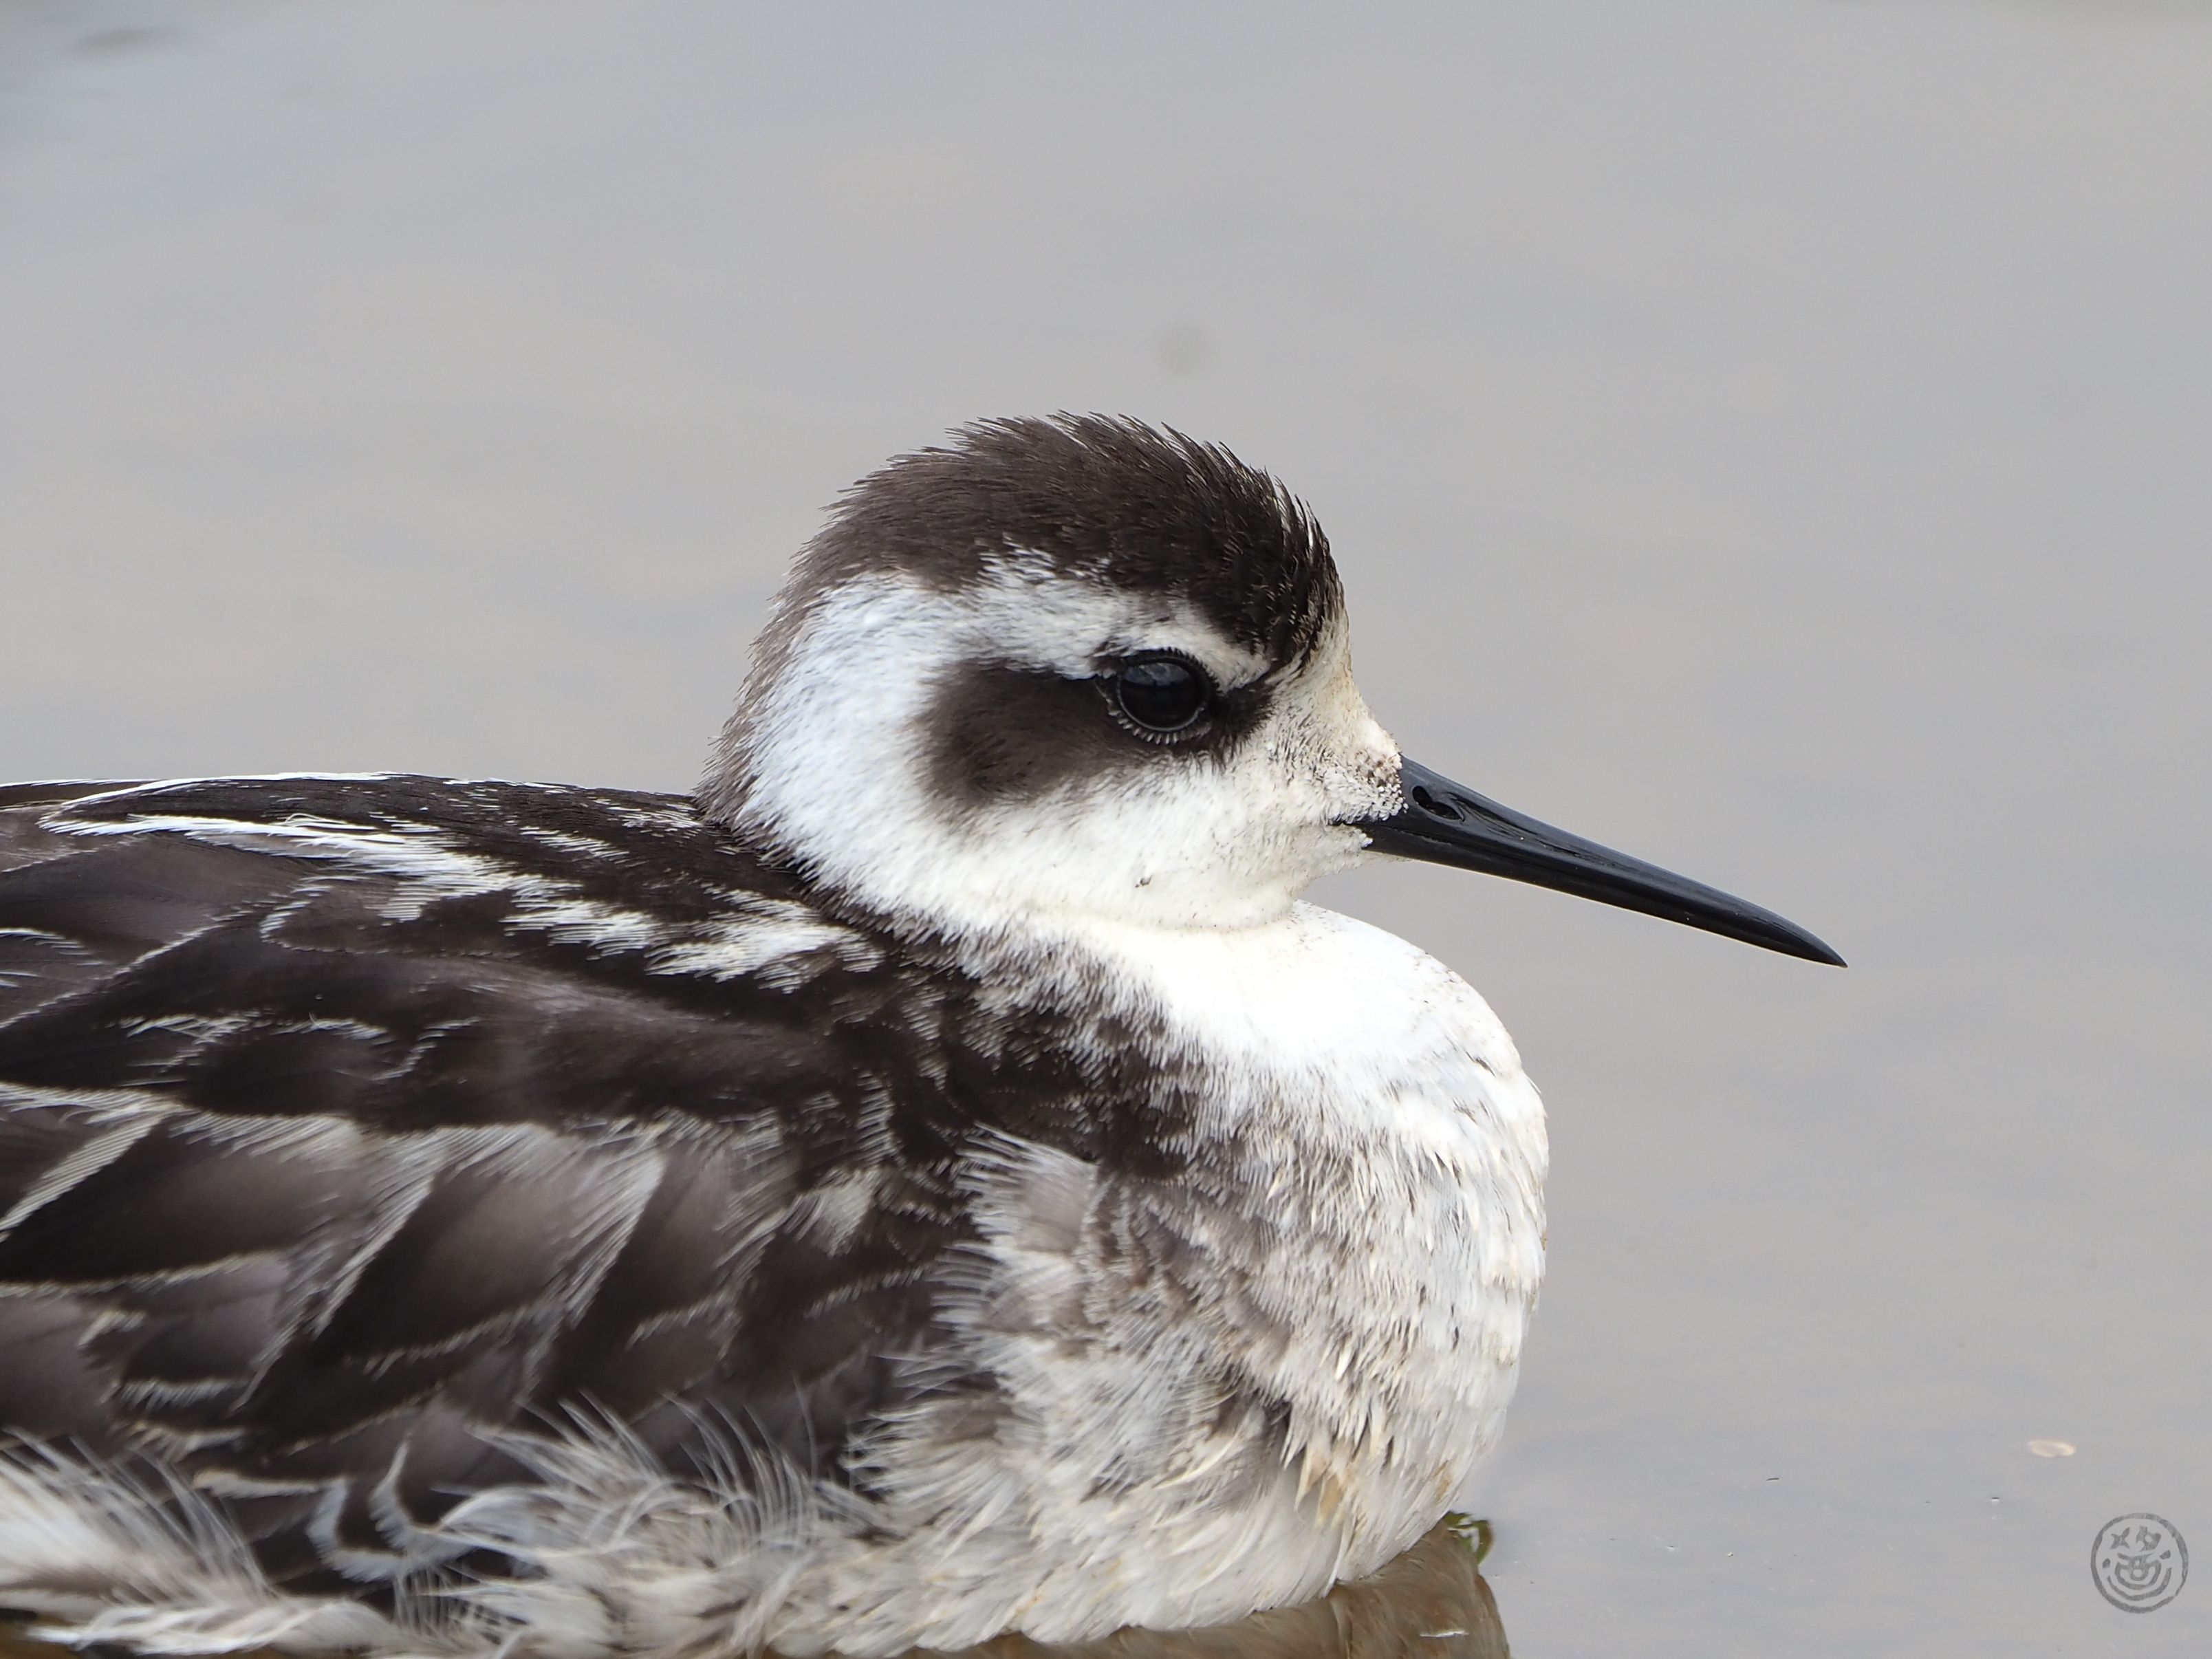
(227, 1050)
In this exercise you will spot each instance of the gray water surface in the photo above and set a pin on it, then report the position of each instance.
(1775, 439)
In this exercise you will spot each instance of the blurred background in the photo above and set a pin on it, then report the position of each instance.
(1775, 439)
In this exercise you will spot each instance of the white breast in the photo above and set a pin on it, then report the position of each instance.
(1271, 1372)
(1379, 1106)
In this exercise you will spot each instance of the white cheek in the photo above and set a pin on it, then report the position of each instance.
(1353, 760)
(838, 749)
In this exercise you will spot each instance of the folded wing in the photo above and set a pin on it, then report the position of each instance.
(349, 1127)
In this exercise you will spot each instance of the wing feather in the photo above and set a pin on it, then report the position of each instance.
(350, 1126)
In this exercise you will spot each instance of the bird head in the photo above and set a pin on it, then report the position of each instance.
(1081, 669)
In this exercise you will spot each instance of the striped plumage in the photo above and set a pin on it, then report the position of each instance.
(345, 1116)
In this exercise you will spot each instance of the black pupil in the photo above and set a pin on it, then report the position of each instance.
(1162, 693)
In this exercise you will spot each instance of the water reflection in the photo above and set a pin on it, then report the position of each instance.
(1430, 1603)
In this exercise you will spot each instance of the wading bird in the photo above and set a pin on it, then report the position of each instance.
(937, 1180)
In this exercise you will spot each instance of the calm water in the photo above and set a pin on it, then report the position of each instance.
(1774, 438)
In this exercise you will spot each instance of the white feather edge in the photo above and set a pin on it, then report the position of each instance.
(101, 1556)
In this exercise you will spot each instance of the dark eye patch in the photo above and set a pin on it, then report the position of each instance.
(999, 732)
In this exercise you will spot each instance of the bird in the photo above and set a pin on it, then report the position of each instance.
(938, 1179)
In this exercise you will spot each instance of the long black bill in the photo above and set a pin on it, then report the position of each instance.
(1444, 823)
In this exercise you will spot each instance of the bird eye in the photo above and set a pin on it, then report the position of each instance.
(1162, 693)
